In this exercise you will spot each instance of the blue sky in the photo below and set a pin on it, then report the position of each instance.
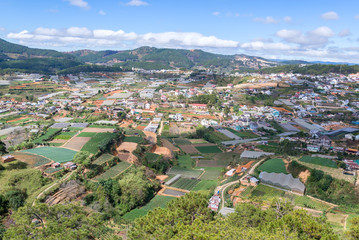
(309, 30)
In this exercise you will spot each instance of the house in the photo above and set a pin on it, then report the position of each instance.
(286, 181)
(214, 202)
(70, 166)
(7, 158)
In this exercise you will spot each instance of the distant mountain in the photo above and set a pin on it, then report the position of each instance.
(171, 58)
(13, 51)
(334, 63)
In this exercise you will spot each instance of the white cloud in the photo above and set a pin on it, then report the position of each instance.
(266, 20)
(315, 38)
(79, 3)
(216, 13)
(259, 45)
(2, 29)
(136, 3)
(102, 12)
(344, 33)
(330, 16)
(287, 19)
(84, 37)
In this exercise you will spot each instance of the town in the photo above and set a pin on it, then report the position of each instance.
(163, 134)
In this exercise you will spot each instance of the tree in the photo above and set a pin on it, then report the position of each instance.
(2, 148)
(56, 222)
(3, 205)
(16, 198)
(83, 157)
(353, 232)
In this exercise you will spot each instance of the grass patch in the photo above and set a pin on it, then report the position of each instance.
(319, 161)
(243, 134)
(133, 139)
(157, 202)
(60, 155)
(152, 157)
(268, 148)
(275, 165)
(92, 146)
(208, 149)
(113, 171)
(185, 161)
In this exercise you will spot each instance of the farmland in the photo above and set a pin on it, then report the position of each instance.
(267, 193)
(205, 185)
(319, 161)
(92, 146)
(103, 158)
(275, 165)
(50, 133)
(243, 134)
(208, 149)
(134, 139)
(77, 143)
(30, 159)
(185, 161)
(334, 172)
(185, 172)
(181, 141)
(87, 134)
(157, 202)
(185, 183)
(60, 155)
(211, 173)
(189, 149)
(113, 171)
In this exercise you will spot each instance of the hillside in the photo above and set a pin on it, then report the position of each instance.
(18, 52)
(171, 58)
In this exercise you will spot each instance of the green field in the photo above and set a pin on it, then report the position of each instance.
(319, 161)
(211, 173)
(152, 157)
(53, 170)
(87, 134)
(113, 171)
(185, 183)
(185, 161)
(205, 185)
(243, 134)
(133, 139)
(188, 173)
(92, 146)
(30, 159)
(208, 149)
(103, 158)
(181, 141)
(65, 135)
(275, 165)
(60, 155)
(268, 148)
(51, 132)
(157, 202)
(130, 131)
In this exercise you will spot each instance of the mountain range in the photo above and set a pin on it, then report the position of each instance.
(18, 57)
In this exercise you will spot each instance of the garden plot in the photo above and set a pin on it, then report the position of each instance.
(113, 171)
(98, 130)
(187, 173)
(92, 146)
(185, 183)
(60, 155)
(209, 149)
(103, 159)
(274, 165)
(189, 149)
(77, 143)
(169, 145)
(181, 141)
(319, 161)
(213, 163)
(30, 159)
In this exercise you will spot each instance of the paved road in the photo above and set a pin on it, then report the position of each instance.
(223, 188)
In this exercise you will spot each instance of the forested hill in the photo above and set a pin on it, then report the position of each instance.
(13, 51)
(314, 69)
(171, 58)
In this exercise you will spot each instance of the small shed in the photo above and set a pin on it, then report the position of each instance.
(70, 166)
(7, 158)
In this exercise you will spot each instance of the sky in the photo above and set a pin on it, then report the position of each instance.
(316, 30)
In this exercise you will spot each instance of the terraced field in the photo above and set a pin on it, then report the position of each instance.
(113, 172)
(185, 183)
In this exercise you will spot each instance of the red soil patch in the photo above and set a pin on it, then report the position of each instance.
(16, 119)
(113, 92)
(163, 151)
(141, 127)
